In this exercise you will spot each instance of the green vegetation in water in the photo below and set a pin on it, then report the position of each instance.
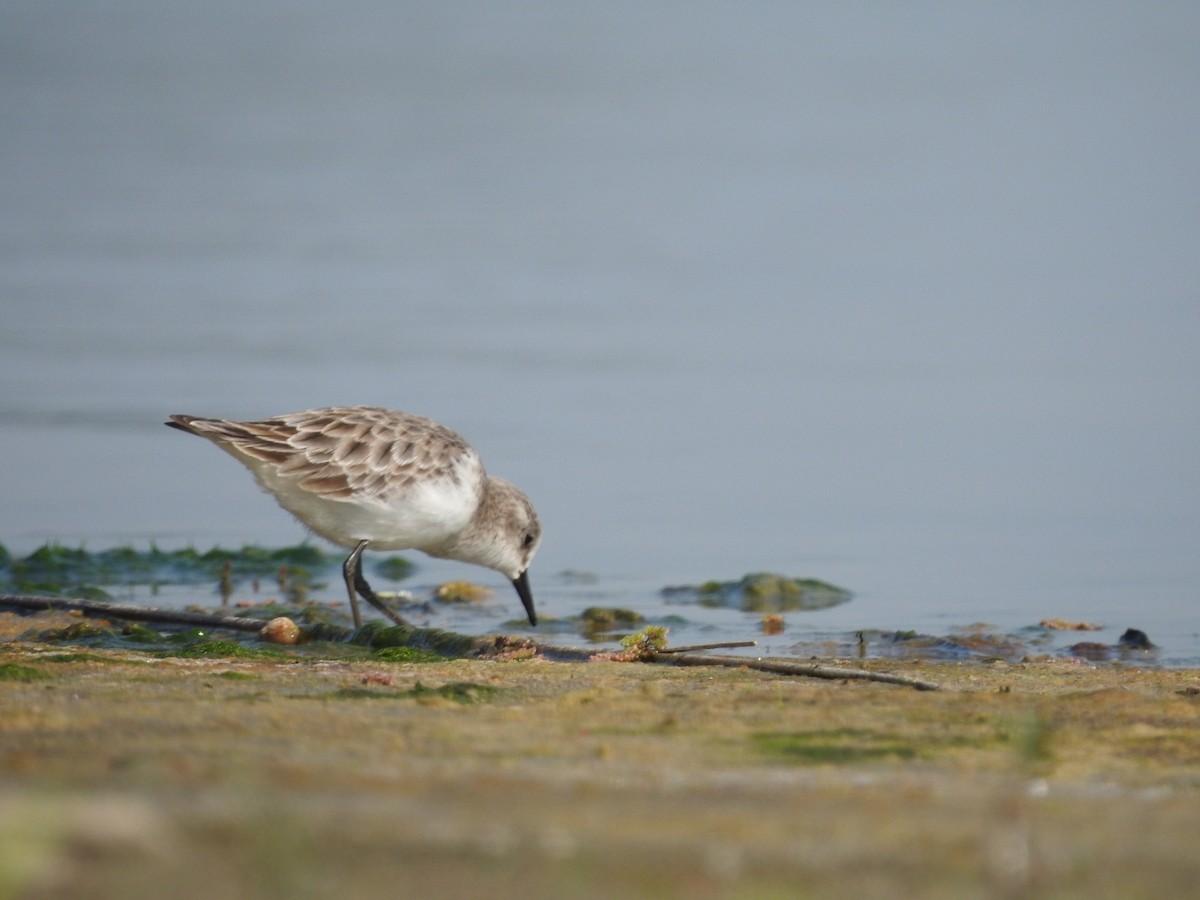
(140, 634)
(652, 637)
(841, 745)
(377, 635)
(601, 619)
(408, 655)
(642, 643)
(82, 632)
(57, 570)
(762, 592)
(189, 644)
(16, 672)
(393, 568)
(209, 648)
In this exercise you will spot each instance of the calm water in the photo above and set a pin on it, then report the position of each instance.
(903, 300)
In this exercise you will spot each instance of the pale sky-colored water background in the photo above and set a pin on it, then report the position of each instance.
(902, 297)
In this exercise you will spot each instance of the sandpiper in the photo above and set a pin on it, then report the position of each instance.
(362, 476)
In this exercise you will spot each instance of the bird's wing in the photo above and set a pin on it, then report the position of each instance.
(342, 452)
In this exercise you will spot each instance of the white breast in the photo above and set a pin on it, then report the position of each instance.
(424, 512)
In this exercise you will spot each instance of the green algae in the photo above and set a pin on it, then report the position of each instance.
(407, 655)
(81, 632)
(18, 672)
(208, 648)
(378, 635)
(55, 569)
(602, 619)
(393, 568)
(762, 592)
(649, 639)
(141, 634)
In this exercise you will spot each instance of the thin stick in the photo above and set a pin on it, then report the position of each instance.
(784, 667)
(122, 611)
(691, 648)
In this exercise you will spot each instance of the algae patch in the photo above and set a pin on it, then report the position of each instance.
(608, 618)
(408, 655)
(763, 592)
(393, 568)
(55, 569)
(18, 672)
(209, 648)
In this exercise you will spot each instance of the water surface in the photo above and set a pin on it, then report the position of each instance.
(904, 300)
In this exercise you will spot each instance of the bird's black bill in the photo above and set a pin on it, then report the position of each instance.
(521, 583)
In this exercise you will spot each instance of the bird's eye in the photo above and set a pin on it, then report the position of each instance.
(528, 540)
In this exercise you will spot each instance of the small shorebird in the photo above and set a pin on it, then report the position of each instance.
(363, 476)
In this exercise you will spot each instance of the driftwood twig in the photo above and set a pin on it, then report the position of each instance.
(36, 603)
(787, 667)
(720, 645)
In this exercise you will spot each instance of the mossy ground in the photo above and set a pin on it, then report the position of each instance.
(130, 774)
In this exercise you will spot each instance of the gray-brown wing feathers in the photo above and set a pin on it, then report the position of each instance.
(342, 451)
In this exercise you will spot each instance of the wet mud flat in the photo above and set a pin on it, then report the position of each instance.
(130, 774)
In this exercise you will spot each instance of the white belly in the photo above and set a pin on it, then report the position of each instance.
(424, 514)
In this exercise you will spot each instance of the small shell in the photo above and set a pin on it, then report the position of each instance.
(281, 630)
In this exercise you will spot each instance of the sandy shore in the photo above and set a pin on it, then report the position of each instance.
(126, 775)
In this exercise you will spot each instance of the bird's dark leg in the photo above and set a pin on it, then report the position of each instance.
(352, 572)
(355, 582)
